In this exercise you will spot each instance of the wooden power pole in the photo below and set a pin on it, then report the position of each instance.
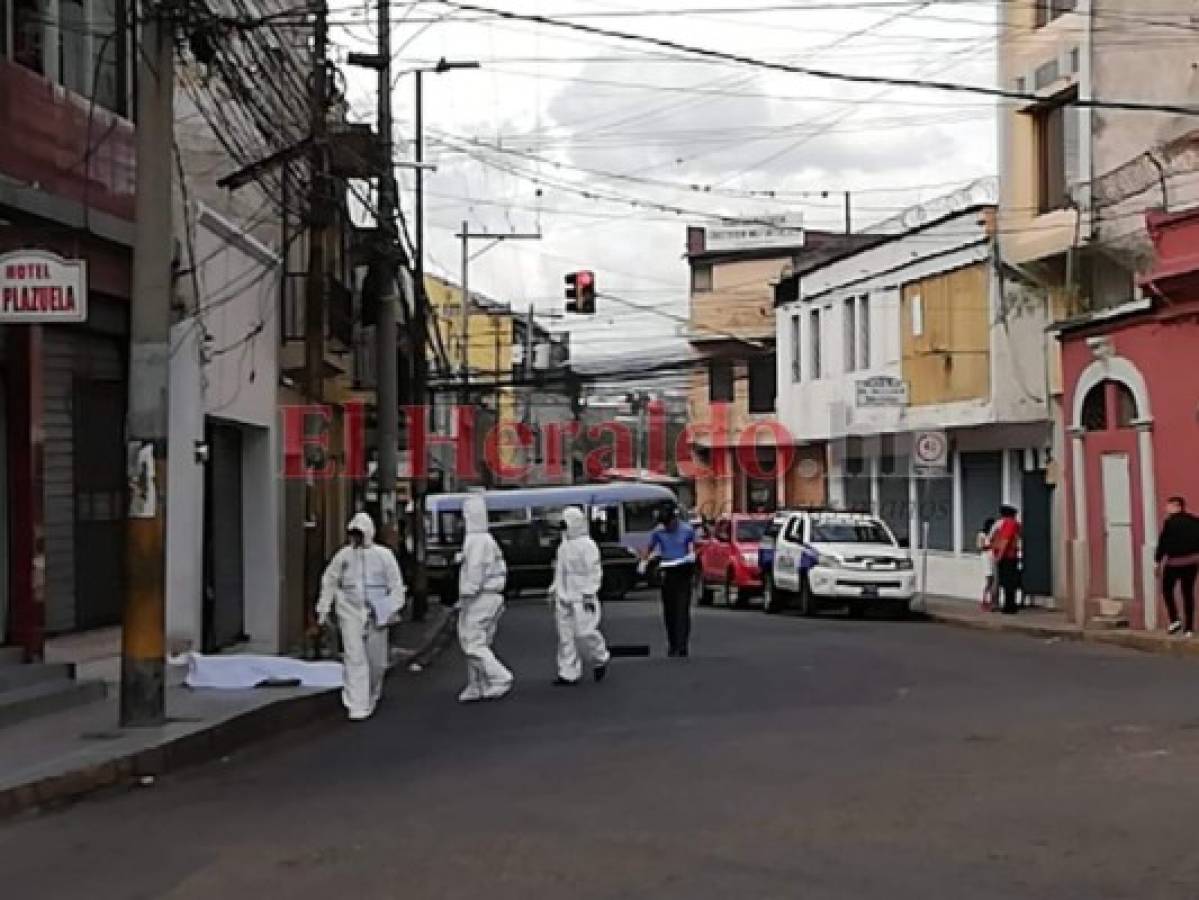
(143, 642)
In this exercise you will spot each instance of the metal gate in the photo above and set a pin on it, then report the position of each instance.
(99, 445)
(224, 592)
(1038, 540)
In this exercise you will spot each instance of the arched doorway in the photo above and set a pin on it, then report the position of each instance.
(1114, 502)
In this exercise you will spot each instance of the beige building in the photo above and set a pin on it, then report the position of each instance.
(732, 410)
(1076, 180)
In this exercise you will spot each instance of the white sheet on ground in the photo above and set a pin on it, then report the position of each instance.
(238, 670)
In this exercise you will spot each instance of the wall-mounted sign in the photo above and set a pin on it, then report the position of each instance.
(881, 390)
(930, 454)
(755, 232)
(36, 286)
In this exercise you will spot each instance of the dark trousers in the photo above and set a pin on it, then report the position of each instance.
(1007, 574)
(676, 606)
(1184, 577)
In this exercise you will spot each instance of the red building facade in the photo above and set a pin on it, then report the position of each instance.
(68, 166)
(1132, 405)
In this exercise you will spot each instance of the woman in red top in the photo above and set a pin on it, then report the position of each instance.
(1005, 547)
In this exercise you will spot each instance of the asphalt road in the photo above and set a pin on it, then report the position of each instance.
(786, 758)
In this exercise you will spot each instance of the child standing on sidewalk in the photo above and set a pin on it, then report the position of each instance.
(983, 545)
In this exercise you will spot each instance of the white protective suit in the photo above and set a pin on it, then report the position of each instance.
(364, 586)
(575, 595)
(481, 579)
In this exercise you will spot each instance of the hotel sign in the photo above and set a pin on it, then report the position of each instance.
(40, 287)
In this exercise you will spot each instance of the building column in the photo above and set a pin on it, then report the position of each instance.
(1149, 515)
(876, 464)
(1080, 559)
(27, 556)
(959, 506)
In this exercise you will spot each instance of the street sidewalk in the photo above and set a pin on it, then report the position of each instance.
(1046, 623)
(61, 757)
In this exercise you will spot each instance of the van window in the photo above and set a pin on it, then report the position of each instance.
(501, 516)
(605, 524)
(453, 529)
(549, 515)
(641, 515)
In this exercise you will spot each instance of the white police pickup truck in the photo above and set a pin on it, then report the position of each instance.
(842, 559)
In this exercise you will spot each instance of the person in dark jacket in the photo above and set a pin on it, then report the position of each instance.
(1178, 563)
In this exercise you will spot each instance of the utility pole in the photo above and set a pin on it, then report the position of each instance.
(419, 339)
(848, 213)
(529, 369)
(419, 342)
(387, 398)
(143, 641)
(314, 305)
(466, 236)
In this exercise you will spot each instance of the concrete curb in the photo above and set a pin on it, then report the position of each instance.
(1130, 640)
(174, 754)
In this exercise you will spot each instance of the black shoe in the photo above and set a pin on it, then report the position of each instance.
(564, 682)
(599, 673)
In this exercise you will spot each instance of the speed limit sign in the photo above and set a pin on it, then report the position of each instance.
(930, 454)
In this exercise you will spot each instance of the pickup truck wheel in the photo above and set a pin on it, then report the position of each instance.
(774, 599)
(807, 600)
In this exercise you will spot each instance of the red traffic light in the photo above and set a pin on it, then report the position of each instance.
(580, 292)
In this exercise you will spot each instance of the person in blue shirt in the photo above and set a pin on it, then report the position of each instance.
(672, 542)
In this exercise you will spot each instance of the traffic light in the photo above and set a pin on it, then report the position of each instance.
(580, 293)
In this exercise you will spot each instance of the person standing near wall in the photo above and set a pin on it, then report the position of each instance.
(673, 544)
(1005, 547)
(1177, 560)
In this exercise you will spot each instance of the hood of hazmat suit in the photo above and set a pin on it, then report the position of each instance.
(483, 570)
(578, 572)
(363, 523)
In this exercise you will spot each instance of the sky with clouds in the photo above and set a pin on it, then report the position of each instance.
(610, 148)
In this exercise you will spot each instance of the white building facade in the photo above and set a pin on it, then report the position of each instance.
(223, 533)
(916, 334)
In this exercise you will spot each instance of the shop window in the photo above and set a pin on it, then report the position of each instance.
(1126, 405)
(1094, 408)
(982, 492)
(763, 383)
(936, 508)
(1109, 404)
(1048, 10)
(720, 381)
(1057, 151)
(894, 506)
(701, 278)
(796, 350)
(89, 55)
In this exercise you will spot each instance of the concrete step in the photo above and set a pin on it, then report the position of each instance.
(43, 698)
(12, 656)
(12, 677)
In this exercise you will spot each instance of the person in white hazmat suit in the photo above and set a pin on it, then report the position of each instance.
(575, 596)
(482, 574)
(363, 586)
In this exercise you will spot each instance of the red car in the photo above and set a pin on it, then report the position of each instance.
(728, 557)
